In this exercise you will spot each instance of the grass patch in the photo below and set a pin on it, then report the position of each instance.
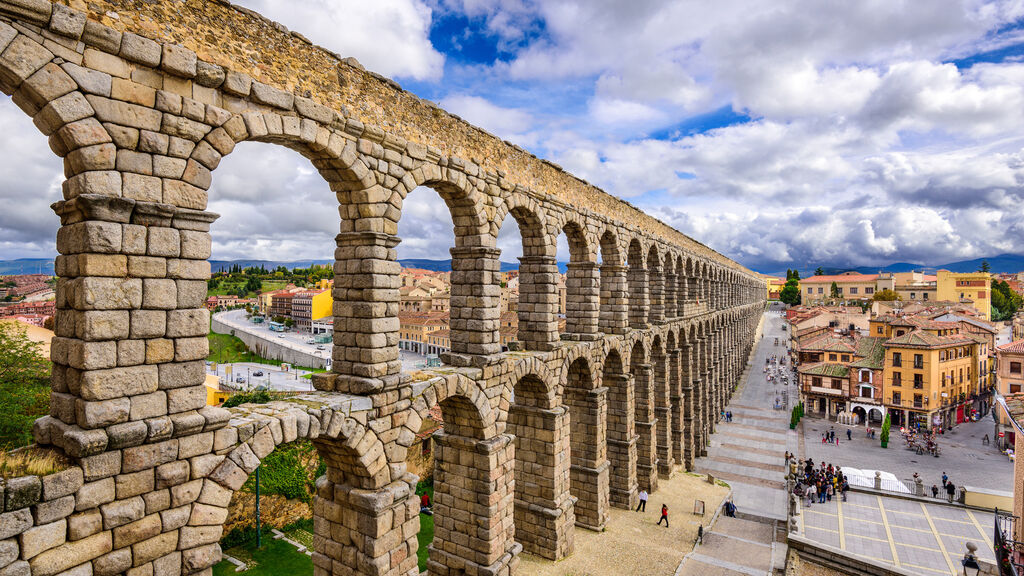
(277, 557)
(35, 461)
(426, 534)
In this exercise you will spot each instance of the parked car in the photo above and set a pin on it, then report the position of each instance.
(320, 347)
(240, 379)
(258, 373)
(310, 341)
(280, 335)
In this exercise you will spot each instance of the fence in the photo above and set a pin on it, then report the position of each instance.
(1008, 552)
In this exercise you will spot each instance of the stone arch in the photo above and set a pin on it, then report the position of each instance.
(655, 284)
(356, 464)
(661, 403)
(463, 405)
(614, 296)
(621, 439)
(538, 293)
(587, 406)
(582, 282)
(638, 284)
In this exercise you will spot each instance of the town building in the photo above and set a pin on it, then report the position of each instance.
(415, 328)
(969, 287)
(850, 285)
(774, 285)
(911, 286)
(281, 304)
(841, 373)
(1009, 381)
(309, 306)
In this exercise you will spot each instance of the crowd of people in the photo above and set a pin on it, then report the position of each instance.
(818, 483)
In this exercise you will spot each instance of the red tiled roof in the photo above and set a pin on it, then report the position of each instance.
(849, 277)
(1013, 347)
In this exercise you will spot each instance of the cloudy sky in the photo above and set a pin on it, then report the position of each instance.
(780, 133)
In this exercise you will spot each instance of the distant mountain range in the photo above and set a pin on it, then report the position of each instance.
(425, 264)
(1004, 263)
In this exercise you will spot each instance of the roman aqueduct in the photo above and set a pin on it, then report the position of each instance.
(142, 100)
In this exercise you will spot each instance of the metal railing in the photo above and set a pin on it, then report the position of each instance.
(1008, 552)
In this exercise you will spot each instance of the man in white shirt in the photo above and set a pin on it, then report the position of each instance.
(642, 506)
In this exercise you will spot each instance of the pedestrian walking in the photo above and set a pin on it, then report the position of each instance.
(845, 488)
(700, 534)
(944, 479)
(664, 515)
(642, 506)
(811, 491)
(935, 491)
(985, 441)
(950, 491)
(849, 435)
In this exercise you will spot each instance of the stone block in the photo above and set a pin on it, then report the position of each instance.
(102, 37)
(53, 510)
(112, 563)
(229, 475)
(60, 484)
(149, 455)
(59, 112)
(146, 266)
(185, 399)
(17, 568)
(95, 325)
(159, 293)
(71, 554)
(153, 548)
(103, 413)
(191, 293)
(164, 242)
(84, 524)
(48, 83)
(147, 323)
(94, 293)
(157, 501)
(186, 493)
(172, 474)
(89, 81)
(125, 113)
(139, 49)
(22, 492)
(14, 523)
(148, 406)
(196, 559)
(84, 355)
(159, 350)
(184, 195)
(188, 323)
(67, 22)
(131, 352)
(179, 60)
(121, 512)
(8, 551)
(142, 529)
(134, 484)
(39, 539)
(118, 382)
(19, 60)
(127, 434)
(133, 92)
(101, 465)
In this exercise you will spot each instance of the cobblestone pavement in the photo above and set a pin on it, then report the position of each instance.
(927, 538)
(748, 452)
(963, 457)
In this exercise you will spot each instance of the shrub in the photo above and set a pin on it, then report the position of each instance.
(885, 432)
(254, 397)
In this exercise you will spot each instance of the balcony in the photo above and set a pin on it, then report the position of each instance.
(866, 400)
(916, 404)
(826, 391)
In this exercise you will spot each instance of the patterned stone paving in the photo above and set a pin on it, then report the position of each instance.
(928, 538)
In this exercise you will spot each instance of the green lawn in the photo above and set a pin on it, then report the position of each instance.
(276, 558)
(229, 287)
(426, 535)
(226, 348)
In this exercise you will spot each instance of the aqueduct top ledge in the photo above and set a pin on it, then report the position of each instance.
(232, 38)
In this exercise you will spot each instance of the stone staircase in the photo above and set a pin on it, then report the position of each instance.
(735, 546)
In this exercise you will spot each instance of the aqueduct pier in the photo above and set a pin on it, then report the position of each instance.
(142, 99)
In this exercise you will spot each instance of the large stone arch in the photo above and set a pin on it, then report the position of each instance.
(582, 282)
(587, 405)
(614, 301)
(638, 285)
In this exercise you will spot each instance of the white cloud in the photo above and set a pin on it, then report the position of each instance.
(390, 37)
(507, 123)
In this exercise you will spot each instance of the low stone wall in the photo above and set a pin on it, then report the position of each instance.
(268, 348)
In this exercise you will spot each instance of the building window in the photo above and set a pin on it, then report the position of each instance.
(961, 375)
(832, 357)
(897, 379)
(918, 381)
(896, 399)
(1014, 388)
(1014, 367)
(810, 290)
(846, 357)
(837, 384)
(853, 290)
(925, 295)
(880, 330)
(918, 361)
(815, 381)
(821, 290)
(897, 359)
(918, 401)
(869, 290)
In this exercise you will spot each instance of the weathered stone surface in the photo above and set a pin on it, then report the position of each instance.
(14, 523)
(41, 538)
(71, 554)
(53, 510)
(22, 492)
(60, 484)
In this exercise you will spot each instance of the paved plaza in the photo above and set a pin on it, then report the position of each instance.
(925, 538)
(963, 457)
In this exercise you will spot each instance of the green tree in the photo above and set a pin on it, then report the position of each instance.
(887, 295)
(834, 291)
(885, 432)
(790, 293)
(985, 267)
(819, 271)
(289, 322)
(24, 385)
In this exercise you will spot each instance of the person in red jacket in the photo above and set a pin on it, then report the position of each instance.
(664, 515)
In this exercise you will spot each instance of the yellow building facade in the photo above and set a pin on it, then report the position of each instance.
(930, 379)
(959, 286)
(323, 305)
